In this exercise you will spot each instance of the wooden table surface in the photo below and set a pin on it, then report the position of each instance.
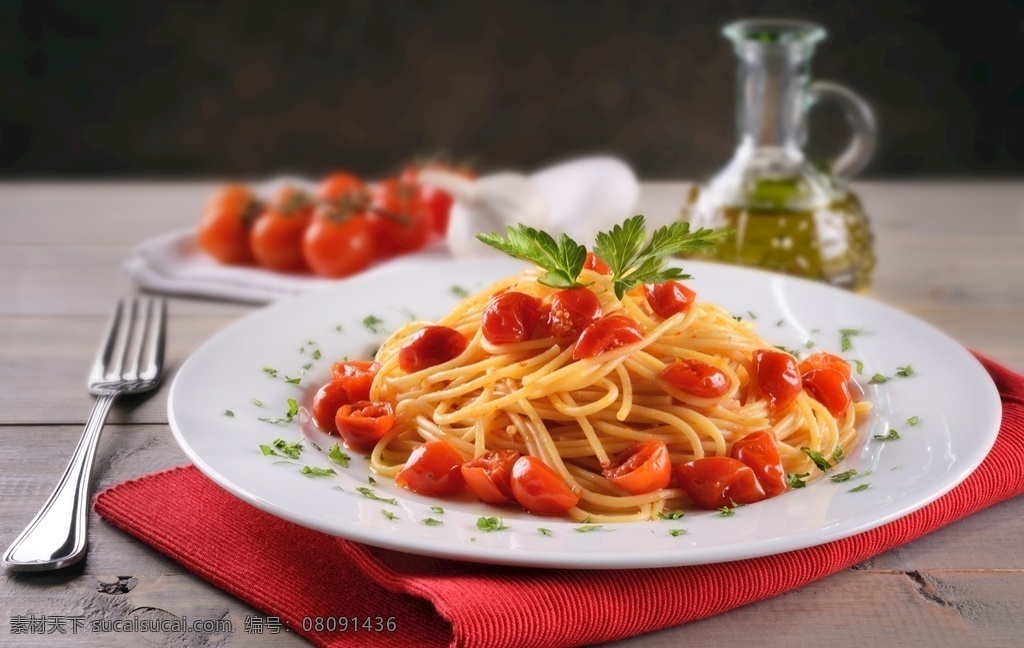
(949, 254)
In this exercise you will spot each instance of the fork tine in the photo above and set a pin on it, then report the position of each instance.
(121, 348)
(136, 346)
(156, 331)
(106, 352)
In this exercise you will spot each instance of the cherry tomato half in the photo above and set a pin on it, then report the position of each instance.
(510, 317)
(539, 489)
(400, 222)
(356, 376)
(760, 451)
(776, 377)
(825, 360)
(643, 468)
(698, 378)
(431, 346)
(596, 264)
(830, 388)
(714, 482)
(434, 468)
(327, 402)
(363, 424)
(489, 476)
(667, 299)
(571, 311)
(224, 228)
(604, 335)
(335, 245)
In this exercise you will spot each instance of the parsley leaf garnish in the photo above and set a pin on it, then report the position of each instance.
(337, 456)
(228, 413)
(587, 528)
(257, 402)
(878, 379)
(432, 522)
(837, 455)
(857, 489)
(437, 509)
(843, 476)
(281, 448)
(314, 471)
(671, 515)
(490, 524)
(914, 420)
(819, 460)
(460, 292)
(369, 494)
(844, 337)
(270, 371)
(676, 532)
(796, 480)
(388, 514)
(725, 511)
(292, 381)
(316, 354)
(905, 372)
(562, 260)
(373, 323)
(892, 435)
(859, 365)
(544, 532)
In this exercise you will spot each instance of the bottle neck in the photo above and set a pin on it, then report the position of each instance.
(771, 84)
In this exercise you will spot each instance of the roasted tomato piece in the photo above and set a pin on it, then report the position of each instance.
(327, 402)
(356, 376)
(571, 311)
(363, 424)
(431, 346)
(607, 334)
(777, 378)
(594, 263)
(825, 360)
(510, 317)
(760, 451)
(696, 377)
(830, 388)
(434, 468)
(539, 489)
(643, 468)
(714, 482)
(489, 476)
(667, 299)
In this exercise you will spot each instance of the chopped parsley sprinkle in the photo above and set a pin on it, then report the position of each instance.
(892, 435)
(914, 420)
(281, 448)
(490, 524)
(369, 494)
(675, 533)
(292, 381)
(809, 344)
(460, 292)
(792, 352)
(314, 471)
(752, 315)
(338, 328)
(670, 515)
(905, 372)
(270, 371)
(432, 522)
(257, 402)
(780, 322)
(843, 476)
(437, 509)
(544, 532)
(859, 365)
(337, 456)
(388, 514)
(725, 511)
(796, 480)
(878, 379)
(373, 323)
(857, 489)
(819, 460)
(837, 455)
(307, 366)
(339, 488)
(370, 480)
(293, 410)
(316, 354)
(587, 528)
(844, 337)
(228, 413)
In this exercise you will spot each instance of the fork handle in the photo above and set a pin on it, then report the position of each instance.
(56, 537)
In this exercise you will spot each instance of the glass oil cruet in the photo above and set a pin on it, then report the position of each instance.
(782, 211)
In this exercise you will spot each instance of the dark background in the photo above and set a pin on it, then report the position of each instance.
(247, 89)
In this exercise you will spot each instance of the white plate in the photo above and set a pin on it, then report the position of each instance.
(957, 405)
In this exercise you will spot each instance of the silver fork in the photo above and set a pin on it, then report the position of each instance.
(130, 360)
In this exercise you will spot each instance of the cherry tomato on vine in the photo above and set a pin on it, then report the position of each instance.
(606, 334)
(341, 186)
(760, 451)
(714, 482)
(277, 234)
(596, 264)
(698, 378)
(338, 244)
(401, 223)
(434, 468)
(431, 346)
(667, 299)
(570, 311)
(356, 376)
(362, 424)
(825, 360)
(489, 476)
(776, 377)
(227, 220)
(327, 402)
(830, 388)
(510, 317)
(539, 489)
(643, 468)
(437, 201)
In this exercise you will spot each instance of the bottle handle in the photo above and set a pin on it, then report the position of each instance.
(862, 120)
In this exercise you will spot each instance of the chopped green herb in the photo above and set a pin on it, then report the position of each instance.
(725, 511)
(388, 514)
(819, 460)
(844, 337)
(780, 322)
(490, 524)
(338, 328)
(543, 531)
(905, 372)
(796, 480)
(270, 371)
(373, 323)
(314, 471)
(369, 494)
(671, 515)
(752, 315)
(460, 292)
(809, 344)
(587, 528)
(370, 480)
(281, 448)
(738, 318)
(257, 402)
(292, 381)
(437, 509)
(892, 435)
(837, 455)
(857, 489)
(306, 367)
(562, 260)
(432, 522)
(337, 456)
(859, 365)
(792, 352)
(878, 379)
(302, 349)
(675, 533)
(316, 354)
(843, 476)
(228, 413)
(913, 420)
(339, 488)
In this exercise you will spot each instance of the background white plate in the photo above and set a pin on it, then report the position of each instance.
(954, 398)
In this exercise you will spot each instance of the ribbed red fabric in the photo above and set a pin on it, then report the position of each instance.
(292, 572)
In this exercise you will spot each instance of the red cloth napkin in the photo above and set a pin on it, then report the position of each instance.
(292, 572)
